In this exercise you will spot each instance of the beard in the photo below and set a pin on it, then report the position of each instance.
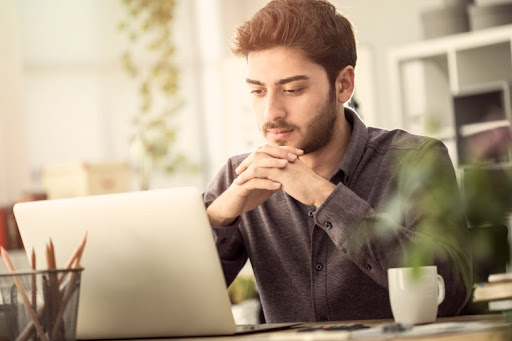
(318, 132)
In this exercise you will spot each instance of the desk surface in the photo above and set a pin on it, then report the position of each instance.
(503, 332)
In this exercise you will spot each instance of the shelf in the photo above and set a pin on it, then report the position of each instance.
(462, 41)
(473, 67)
(490, 166)
(457, 89)
(477, 128)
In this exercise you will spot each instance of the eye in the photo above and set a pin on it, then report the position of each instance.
(296, 91)
(257, 92)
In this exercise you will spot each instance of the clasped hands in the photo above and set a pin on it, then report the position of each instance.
(260, 175)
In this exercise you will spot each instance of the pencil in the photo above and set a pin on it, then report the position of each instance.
(53, 282)
(74, 255)
(78, 257)
(51, 253)
(34, 281)
(23, 294)
(65, 298)
(74, 261)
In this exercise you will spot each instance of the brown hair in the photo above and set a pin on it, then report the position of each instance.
(312, 26)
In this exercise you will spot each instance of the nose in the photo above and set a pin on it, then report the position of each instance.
(274, 107)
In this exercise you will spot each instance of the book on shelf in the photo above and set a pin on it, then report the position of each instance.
(498, 287)
(482, 127)
(3, 227)
(503, 277)
(9, 235)
(500, 305)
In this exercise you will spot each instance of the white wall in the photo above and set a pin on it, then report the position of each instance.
(79, 100)
(13, 144)
(68, 83)
(380, 25)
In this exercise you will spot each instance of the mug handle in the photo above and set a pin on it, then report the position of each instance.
(440, 289)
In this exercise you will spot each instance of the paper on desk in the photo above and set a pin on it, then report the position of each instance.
(378, 333)
(428, 329)
(317, 335)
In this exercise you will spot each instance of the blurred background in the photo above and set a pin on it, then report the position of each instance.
(66, 97)
(102, 96)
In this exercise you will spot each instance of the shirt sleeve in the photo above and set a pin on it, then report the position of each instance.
(422, 223)
(228, 239)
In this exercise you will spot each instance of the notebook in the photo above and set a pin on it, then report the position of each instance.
(151, 267)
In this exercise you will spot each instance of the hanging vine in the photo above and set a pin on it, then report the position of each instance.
(149, 60)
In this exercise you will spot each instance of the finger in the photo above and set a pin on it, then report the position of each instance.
(245, 163)
(292, 149)
(255, 159)
(254, 173)
(276, 151)
(296, 151)
(244, 177)
(269, 162)
(256, 183)
(282, 152)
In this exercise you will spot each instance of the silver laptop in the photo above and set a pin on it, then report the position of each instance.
(151, 265)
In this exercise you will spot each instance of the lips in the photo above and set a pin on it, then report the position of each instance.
(279, 134)
(279, 131)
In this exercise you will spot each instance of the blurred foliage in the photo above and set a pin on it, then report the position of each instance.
(149, 60)
(433, 124)
(488, 193)
(242, 288)
(427, 187)
(486, 186)
(485, 203)
(486, 183)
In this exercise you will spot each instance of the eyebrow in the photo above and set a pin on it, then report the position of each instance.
(281, 81)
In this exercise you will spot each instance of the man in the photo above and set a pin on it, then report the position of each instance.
(327, 205)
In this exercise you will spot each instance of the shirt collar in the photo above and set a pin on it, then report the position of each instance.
(356, 145)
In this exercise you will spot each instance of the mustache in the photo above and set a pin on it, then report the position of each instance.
(278, 125)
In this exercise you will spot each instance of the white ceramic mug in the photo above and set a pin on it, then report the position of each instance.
(415, 294)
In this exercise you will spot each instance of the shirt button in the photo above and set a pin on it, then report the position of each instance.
(319, 267)
(328, 225)
(311, 213)
(368, 267)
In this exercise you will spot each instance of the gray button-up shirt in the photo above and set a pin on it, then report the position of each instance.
(394, 192)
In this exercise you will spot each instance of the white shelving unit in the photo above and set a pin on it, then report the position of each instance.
(435, 86)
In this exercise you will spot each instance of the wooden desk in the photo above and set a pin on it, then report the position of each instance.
(503, 333)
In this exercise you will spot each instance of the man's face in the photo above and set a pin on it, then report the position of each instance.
(292, 97)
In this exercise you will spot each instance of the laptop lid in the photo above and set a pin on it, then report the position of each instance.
(151, 265)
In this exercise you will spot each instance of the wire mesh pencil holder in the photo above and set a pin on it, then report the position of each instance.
(41, 305)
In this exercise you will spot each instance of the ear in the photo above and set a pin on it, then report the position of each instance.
(345, 84)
